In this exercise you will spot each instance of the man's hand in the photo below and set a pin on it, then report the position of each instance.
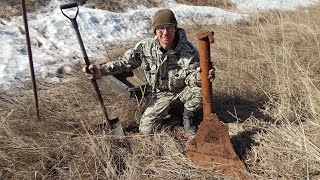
(92, 72)
(211, 75)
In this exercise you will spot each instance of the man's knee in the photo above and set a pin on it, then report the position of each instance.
(146, 124)
(145, 130)
(193, 105)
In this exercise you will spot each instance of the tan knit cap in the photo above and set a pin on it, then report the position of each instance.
(163, 17)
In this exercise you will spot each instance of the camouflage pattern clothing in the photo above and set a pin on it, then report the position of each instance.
(171, 74)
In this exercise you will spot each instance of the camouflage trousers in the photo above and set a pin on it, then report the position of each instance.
(161, 102)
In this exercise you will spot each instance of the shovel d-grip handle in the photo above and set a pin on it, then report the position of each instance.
(68, 6)
(205, 37)
(85, 57)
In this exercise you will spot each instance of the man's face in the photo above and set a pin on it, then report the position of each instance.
(165, 35)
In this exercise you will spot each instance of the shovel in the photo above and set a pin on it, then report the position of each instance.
(211, 145)
(109, 124)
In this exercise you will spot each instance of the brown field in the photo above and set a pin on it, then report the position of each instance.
(267, 90)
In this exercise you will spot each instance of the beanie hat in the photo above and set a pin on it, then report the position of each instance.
(163, 17)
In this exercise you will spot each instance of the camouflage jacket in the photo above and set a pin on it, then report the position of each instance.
(165, 71)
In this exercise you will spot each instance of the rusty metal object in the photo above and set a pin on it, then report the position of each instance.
(211, 144)
(34, 84)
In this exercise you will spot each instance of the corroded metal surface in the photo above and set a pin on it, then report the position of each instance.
(211, 144)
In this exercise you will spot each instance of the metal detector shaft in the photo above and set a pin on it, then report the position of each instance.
(25, 20)
(85, 56)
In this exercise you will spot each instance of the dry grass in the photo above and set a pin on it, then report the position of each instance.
(123, 5)
(9, 8)
(52, 147)
(224, 4)
(267, 88)
(275, 57)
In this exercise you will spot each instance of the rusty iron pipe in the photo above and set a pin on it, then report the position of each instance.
(205, 38)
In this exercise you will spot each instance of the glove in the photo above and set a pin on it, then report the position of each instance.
(211, 75)
(92, 72)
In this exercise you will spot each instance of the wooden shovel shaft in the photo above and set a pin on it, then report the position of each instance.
(205, 38)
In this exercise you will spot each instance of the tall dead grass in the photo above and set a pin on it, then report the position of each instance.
(276, 57)
(56, 145)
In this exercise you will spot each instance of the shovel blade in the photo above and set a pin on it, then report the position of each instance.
(212, 146)
(117, 131)
(114, 128)
(102, 128)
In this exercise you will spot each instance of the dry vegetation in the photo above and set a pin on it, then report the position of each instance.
(9, 8)
(225, 4)
(267, 89)
(122, 5)
(275, 56)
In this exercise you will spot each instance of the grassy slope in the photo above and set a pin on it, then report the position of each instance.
(267, 88)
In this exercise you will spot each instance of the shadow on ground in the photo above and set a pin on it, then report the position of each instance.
(243, 142)
(229, 110)
(237, 109)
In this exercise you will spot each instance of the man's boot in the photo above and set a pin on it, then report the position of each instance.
(188, 117)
